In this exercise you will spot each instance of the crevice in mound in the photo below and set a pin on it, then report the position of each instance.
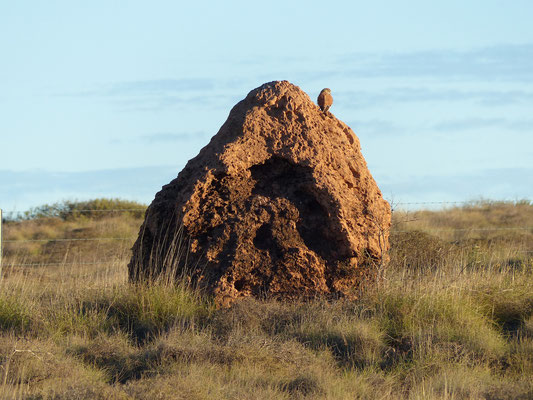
(264, 240)
(279, 178)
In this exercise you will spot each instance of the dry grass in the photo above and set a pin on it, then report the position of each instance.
(451, 319)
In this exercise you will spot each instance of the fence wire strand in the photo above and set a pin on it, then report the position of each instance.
(466, 202)
(393, 231)
(66, 240)
(391, 201)
(96, 239)
(515, 228)
(61, 263)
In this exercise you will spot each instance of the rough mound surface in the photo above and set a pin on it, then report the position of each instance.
(280, 203)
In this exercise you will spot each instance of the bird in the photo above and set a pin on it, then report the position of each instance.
(325, 100)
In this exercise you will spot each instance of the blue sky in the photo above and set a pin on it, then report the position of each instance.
(111, 98)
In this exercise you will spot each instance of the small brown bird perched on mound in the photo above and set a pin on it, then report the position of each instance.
(325, 100)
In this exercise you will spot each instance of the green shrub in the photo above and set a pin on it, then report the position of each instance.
(76, 318)
(509, 306)
(417, 251)
(114, 355)
(146, 311)
(93, 209)
(14, 316)
(447, 325)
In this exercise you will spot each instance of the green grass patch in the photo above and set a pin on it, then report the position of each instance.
(14, 316)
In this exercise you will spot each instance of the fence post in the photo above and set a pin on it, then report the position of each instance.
(1, 247)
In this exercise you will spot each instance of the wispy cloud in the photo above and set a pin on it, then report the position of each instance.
(155, 94)
(470, 76)
(374, 127)
(485, 123)
(165, 137)
(502, 62)
(21, 190)
(159, 86)
(365, 98)
(162, 138)
(149, 87)
(498, 184)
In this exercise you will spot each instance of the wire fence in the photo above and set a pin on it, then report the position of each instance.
(57, 264)
(95, 239)
(394, 205)
(8, 215)
(21, 215)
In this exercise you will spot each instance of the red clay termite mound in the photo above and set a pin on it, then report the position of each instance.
(280, 203)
